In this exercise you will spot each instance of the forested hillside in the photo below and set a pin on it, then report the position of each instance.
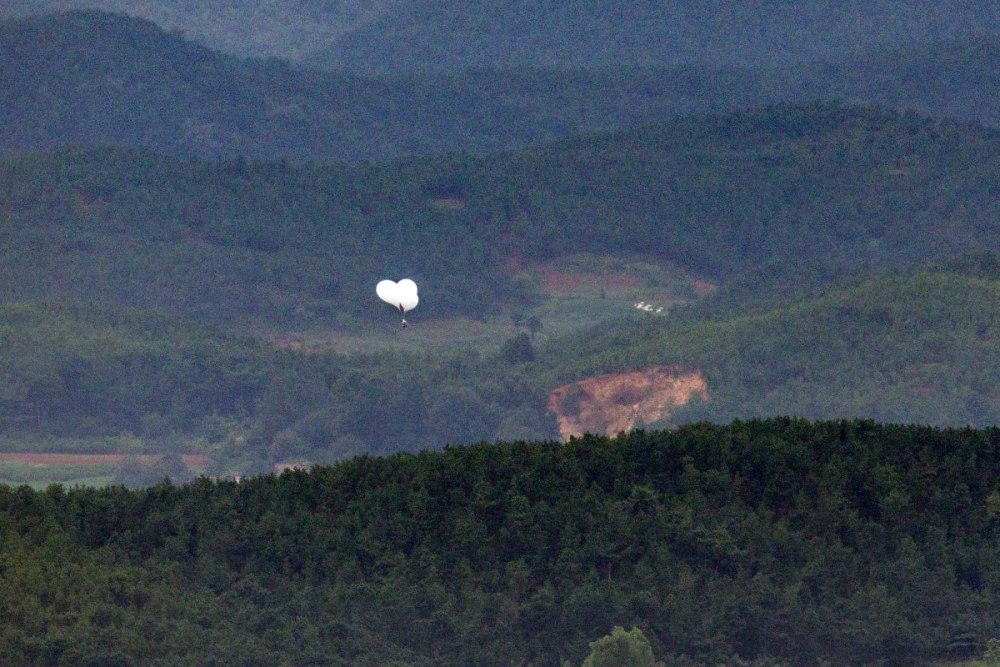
(112, 380)
(237, 242)
(819, 191)
(89, 373)
(912, 346)
(916, 347)
(87, 78)
(774, 542)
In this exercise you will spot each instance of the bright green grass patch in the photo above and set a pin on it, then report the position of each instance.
(20, 473)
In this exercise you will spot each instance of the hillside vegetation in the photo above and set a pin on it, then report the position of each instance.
(236, 241)
(90, 373)
(913, 347)
(774, 542)
(110, 380)
(779, 204)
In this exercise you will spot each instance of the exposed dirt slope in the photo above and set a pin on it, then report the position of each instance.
(617, 402)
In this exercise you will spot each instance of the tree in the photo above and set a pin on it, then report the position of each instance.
(621, 649)
(534, 325)
(991, 656)
(518, 350)
(517, 317)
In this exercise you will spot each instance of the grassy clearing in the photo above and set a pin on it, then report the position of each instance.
(575, 293)
(41, 477)
(21, 473)
(972, 662)
(43, 469)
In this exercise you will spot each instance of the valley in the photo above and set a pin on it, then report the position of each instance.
(227, 309)
(700, 360)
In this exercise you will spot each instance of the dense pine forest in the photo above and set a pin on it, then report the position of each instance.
(767, 542)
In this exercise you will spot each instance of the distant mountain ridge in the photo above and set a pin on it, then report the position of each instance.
(239, 27)
(438, 36)
(90, 78)
(394, 36)
(86, 78)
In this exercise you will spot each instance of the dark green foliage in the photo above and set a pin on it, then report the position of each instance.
(983, 265)
(912, 346)
(160, 385)
(237, 242)
(86, 372)
(518, 350)
(170, 466)
(762, 541)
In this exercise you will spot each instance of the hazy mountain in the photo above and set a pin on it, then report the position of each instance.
(957, 78)
(289, 29)
(440, 36)
(432, 35)
(94, 78)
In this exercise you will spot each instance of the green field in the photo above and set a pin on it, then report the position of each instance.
(39, 477)
(578, 293)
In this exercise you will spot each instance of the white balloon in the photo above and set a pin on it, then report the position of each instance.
(402, 295)
(407, 293)
(386, 291)
(408, 302)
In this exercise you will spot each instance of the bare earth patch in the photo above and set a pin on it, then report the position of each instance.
(617, 402)
(557, 282)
